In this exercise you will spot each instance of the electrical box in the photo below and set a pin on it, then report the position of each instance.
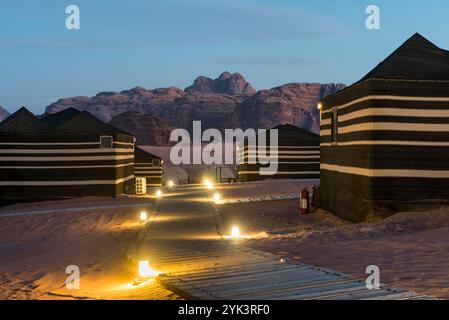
(141, 185)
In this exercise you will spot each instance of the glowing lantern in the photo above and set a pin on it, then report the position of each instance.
(171, 183)
(145, 270)
(143, 215)
(235, 232)
(158, 193)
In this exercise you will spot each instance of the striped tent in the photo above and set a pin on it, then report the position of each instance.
(148, 166)
(385, 139)
(67, 154)
(298, 156)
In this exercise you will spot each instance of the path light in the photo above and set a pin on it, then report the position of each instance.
(207, 183)
(143, 215)
(216, 197)
(235, 232)
(158, 193)
(145, 270)
(171, 183)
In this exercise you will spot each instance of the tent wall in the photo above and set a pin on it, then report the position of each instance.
(392, 146)
(148, 166)
(298, 156)
(52, 166)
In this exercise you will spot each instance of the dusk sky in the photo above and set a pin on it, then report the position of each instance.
(159, 43)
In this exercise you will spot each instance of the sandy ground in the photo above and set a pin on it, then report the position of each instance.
(35, 250)
(410, 248)
(275, 187)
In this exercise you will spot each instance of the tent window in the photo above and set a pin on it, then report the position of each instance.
(334, 126)
(106, 142)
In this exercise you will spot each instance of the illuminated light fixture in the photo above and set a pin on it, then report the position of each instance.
(171, 183)
(320, 105)
(143, 215)
(158, 193)
(216, 197)
(235, 232)
(145, 270)
(208, 184)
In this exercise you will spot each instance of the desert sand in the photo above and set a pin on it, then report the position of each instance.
(411, 248)
(36, 248)
(39, 240)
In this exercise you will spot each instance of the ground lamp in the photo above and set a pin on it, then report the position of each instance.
(158, 193)
(208, 184)
(145, 270)
(143, 215)
(216, 197)
(235, 232)
(171, 183)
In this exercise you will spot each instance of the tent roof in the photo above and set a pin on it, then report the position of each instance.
(72, 121)
(23, 122)
(69, 121)
(416, 59)
(141, 155)
(57, 119)
(294, 130)
(289, 134)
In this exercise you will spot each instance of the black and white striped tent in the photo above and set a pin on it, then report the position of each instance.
(148, 166)
(385, 139)
(298, 156)
(67, 154)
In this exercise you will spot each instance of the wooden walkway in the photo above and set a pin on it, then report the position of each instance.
(182, 241)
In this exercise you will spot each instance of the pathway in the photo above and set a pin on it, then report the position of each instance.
(183, 242)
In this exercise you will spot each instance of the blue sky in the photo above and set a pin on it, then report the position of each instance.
(159, 43)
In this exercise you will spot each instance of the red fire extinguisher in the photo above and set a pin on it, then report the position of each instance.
(304, 201)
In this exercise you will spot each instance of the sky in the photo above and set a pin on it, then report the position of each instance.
(160, 43)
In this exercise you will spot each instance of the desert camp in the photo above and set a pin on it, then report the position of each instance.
(224, 150)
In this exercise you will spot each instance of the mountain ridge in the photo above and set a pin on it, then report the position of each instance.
(228, 101)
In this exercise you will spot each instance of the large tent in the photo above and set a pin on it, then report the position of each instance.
(67, 154)
(298, 156)
(385, 139)
(148, 166)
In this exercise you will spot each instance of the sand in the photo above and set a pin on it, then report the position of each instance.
(35, 250)
(410, 248)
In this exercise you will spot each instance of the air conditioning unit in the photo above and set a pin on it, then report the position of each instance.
(141, 185)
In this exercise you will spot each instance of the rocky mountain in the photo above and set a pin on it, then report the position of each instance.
(226, 83)
(294, 103)
(226, 102)
(106, 105)
(3, 114)
(148, 129)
